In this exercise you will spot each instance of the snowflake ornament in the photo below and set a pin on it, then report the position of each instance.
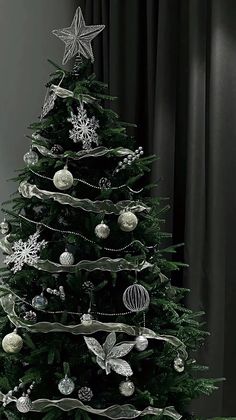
(25, 252)
(108, 355)
(84, 128)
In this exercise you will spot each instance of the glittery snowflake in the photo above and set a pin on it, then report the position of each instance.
(25, 252)
(84, 128)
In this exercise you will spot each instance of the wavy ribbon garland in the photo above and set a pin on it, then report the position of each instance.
(114, 412)
(28, 190)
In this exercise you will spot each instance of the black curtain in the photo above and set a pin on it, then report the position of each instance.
(172, 63)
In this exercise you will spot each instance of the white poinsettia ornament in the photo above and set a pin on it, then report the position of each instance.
(108, 355)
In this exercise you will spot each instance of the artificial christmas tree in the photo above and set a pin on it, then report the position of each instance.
(91, 325)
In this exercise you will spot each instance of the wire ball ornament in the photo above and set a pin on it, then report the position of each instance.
(136, 298)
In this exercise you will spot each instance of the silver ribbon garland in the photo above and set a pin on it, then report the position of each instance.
(65, 93)
(114, 412)
(8, 299)
(28, 190)
(96, 152)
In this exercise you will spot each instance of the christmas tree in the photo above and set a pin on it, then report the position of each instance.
(91, 324)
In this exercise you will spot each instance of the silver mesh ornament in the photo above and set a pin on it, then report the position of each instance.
(31, 158)
(24, 404)
(85, 394)
(136, 298)
(66, 386)
(127, 388)
(67, 258)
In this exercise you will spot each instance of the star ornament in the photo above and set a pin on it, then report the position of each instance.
(78, 37)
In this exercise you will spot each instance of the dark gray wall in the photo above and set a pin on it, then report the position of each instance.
(25, 44)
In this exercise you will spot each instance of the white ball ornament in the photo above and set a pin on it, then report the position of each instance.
(102, 231)
(136, 298)
(66, 386)
(127, 221)
(86, 320)
(66, 258)
(179, 364)
(4, 227)
(31, 158)
(141, 343)
(127, 388)
(63, 179)
(12, 343)
(24, 404)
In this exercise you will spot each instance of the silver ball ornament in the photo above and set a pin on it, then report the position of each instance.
(179, 364)
(127, 221)
(24, 404)
(102, 231)
(67, 258)
(127, 388)
(66, 386)
(86, 319)
(31, 158)
(4, 227)
(39, 302)
(141, 343)
(136, 298)
(12, 343)
(63, 179)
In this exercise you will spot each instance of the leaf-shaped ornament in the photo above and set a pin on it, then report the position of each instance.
(120, 366)
(121, 350)
(109, 342)
(95, 347)
(101, 362)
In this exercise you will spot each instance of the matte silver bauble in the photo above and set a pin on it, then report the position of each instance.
(66, 258)
(127, 388)
(102, 231)
(5, 227)
(66, 386)
(86, 319)
(136, 298)
(141, 343)
(24, 404)
(12, 343)
(127, 221)
(31, 158)
(39, 302)
(63, 179)
(179, 364)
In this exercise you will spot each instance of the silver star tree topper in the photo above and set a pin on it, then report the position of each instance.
(78, 37)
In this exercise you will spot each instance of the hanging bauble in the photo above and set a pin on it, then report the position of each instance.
(136, 298)
(66, 386)
(24, 404)
(67, 258)
(127, 388)
(12, 343)
(57, 149)
(102, 231)
(39, 302)
(5, 227)
(31, 158)
(127, 221)
(63, 179)
(104, 183)
(85, 394)
(86, 319)
(179, 364)
(141, 343)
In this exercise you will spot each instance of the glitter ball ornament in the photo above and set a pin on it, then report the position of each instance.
(86, 319)
(12, 343)
(39, 302)
(102, 231)
(141, 343)
(66, 386)
(127, 221)
(179, 364)
(24, 404)
(66, 258)
(57, 149)
(5, 227)
(31, 158)
(127, 388)
(136, 298)
(63, 179)
(85, 394)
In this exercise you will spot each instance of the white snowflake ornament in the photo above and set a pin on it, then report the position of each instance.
(84, 128)
(25, 252)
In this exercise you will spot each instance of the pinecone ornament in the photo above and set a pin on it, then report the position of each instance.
(85, 394)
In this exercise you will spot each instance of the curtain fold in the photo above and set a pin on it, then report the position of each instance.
(172, 64)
